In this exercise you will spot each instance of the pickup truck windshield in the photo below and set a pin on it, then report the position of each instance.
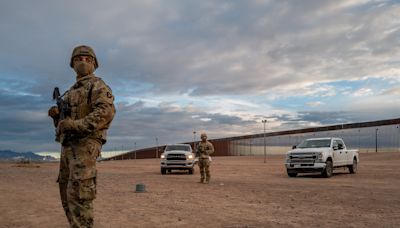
(315, 143)
(177, 147)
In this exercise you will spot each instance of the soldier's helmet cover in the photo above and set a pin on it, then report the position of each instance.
(86, 51)
(203, 135)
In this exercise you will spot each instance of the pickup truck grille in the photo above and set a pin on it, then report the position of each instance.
(176, 157)
(303, 158)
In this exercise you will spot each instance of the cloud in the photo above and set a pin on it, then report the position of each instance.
(327, 118)
(222, 45)
(315, 103)
(363, 92)
(392, 91)
(305, 119)
(169, 125)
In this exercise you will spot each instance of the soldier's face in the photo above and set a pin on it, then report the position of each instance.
(83, 65)
(203, 138)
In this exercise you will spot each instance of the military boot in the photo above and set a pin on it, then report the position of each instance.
(201, 180)
(207, 180)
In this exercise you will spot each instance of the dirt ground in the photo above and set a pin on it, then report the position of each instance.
(244, 192)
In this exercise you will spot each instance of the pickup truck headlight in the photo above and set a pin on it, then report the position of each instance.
(319, 156)
(162, 156)
(190, 156)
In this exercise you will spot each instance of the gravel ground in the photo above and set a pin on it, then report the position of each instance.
(244, 192)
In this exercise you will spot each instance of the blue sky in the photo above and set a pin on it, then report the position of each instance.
(215, 66)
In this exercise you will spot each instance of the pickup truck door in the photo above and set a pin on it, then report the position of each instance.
(341, 153)
(349, 157)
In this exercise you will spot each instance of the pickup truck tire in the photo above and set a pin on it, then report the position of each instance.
(291, 174)
(190, 171)
(328, 171)
(353, 167)
(163, 171)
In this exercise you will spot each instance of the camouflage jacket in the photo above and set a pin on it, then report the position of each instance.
(92, 108)
(205, 149)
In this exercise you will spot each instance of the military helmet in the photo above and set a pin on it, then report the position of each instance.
(83, 50)
(203, 135)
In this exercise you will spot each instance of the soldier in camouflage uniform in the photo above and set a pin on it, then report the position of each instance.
(82, 135)
(205, 149)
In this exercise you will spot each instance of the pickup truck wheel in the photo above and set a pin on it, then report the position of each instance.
(328, 171)
(163, 171)
(291, 174)
(190, 171)
(353, 167)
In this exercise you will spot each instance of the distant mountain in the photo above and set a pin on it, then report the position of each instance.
(8, 155)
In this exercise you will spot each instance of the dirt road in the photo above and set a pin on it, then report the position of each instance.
(244, 192)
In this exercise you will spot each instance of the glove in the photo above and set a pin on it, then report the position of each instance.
(53, 112)
(66, 125)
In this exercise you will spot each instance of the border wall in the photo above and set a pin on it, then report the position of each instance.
(374, 136)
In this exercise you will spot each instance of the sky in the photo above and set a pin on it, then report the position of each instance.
(218, 67)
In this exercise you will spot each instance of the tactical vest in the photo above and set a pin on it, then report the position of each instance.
(79, 97)
(203, 147)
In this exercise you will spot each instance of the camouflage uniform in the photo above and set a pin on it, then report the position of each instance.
(205, 149)
(92, 110)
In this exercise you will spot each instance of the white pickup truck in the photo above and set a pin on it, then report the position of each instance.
(178, 157)
(320, 155)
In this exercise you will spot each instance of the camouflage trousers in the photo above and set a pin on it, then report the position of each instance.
(204, 166)
(77, 181)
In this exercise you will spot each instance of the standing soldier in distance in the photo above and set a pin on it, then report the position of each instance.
(205, 149)
(82, 134)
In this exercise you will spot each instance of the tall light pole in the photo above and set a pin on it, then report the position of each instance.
(194, 142)
(265, 144)
(156, 147)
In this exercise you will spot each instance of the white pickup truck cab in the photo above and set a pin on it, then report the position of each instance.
(320, 155)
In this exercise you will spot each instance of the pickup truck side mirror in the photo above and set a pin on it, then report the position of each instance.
(340, 146)
(294, 147)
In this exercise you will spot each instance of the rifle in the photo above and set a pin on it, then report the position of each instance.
(63, 106)
(64, 109)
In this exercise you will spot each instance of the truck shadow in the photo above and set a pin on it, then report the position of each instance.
(176, 172)
(317, 175)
